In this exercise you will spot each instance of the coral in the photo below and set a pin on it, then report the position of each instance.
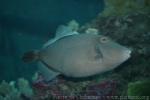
(74, 25)
(5, 88)
(58, 87)
(9, 91)
(125, 21)
(24, 87)
(71, 88)
(104, 88)
(123, 7)
(139, 88)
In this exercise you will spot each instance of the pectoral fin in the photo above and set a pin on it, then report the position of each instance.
(99, 55)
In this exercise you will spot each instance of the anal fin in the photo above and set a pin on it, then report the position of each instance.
(47, 73)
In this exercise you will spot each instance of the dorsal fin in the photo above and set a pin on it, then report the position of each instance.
(64, 31)
(49, 42)
(61, 32)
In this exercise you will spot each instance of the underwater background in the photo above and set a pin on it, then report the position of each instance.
(28, 24)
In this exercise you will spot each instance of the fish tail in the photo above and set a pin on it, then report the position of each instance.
(30, 56)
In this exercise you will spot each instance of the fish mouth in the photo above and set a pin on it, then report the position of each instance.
(127, 53)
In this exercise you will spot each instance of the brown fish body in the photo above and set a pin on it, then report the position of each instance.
(71, 55)
(78, 55)
(75, 56)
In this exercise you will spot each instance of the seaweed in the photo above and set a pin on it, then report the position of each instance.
(139, 88)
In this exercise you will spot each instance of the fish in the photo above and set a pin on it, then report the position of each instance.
(77, 55)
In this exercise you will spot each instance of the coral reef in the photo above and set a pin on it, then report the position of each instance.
(131, 30)
(125, 21)
(61, 87)
(9, 91)
(139, 88)
(123, 7)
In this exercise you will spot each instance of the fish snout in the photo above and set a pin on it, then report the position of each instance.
(127, 53)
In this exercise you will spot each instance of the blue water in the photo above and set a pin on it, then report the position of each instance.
(27, 24)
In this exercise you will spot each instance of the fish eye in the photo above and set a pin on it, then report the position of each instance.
(104, 39)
